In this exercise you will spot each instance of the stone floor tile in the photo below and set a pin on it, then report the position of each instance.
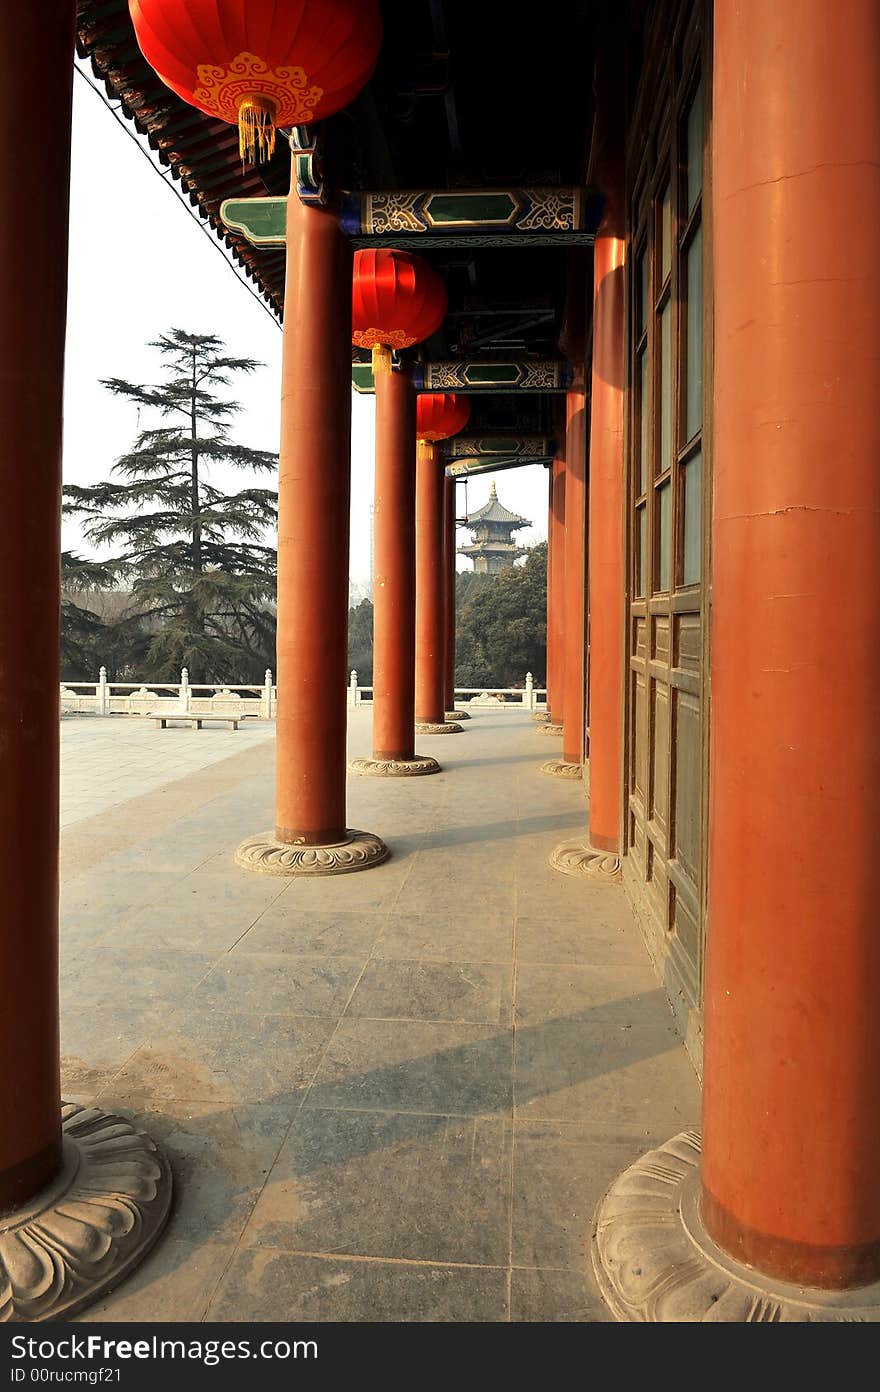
(556, 1297)
(417, 1066)
(174, 1283)
(97, 1039)
(468, 992)
(600, 938)
(626, 995)
(278, 1285)
(389, 1184)
(473, 896)
(465, 937)
(228, 1058)
(220, 1157)
(579, 1068)
(106, 975)
(93, 903)
(277, 984)
(284, 927)
(560, 1172)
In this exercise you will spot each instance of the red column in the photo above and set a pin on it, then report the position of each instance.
(792, 1055)
(548, 676)
(449, 592)
(606, 565)
(394, 593)
(36, 43)
(313, 527)
(430, 624)
(574, 606)
(555, 578)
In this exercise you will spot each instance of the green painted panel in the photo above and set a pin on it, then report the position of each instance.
(490, 374)
(478, 209)
(497, 444)
(262, 220)
(362, 377)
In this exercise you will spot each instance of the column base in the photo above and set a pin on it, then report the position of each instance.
(549, 729)
(447, 727)
(457, 715)
(360, 850)
(87, 1230)
(655, 1262)
(541, 717)
(558, 768)
(394, 768)
(578, 858)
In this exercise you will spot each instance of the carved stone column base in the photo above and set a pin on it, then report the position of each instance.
(558, 768)
(360, 850)
(83, 1234)
(394, 768)
(549, 729)
(541, 716)
(577, 858)
(457, 715)
(449, 727)
(656, 1263)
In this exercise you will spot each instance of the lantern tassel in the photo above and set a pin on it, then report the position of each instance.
(381, 360)
(256, 129)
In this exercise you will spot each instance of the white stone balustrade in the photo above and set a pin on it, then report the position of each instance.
(104, 697)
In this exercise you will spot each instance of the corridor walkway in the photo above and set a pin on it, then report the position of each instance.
(395, 1095)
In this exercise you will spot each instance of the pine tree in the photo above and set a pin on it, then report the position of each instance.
(360, 641)
(202, 577)
(501, 628)
(82, 630)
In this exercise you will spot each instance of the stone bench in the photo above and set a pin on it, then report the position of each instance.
(198, 721)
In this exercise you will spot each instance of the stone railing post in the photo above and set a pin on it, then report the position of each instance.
(267, 695)
(528, 696)
(184, 689)
(353, 688)
(103, 693)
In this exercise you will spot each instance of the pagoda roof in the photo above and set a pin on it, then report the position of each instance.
(495, 511)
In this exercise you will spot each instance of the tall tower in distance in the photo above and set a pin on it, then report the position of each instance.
(493, 548)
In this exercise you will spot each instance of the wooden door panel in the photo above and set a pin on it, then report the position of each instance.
(687, 754)
(660, 756)
(669, 466)
(640, 738)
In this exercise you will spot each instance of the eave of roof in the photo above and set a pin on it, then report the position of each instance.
(493, 511)
(200, 152)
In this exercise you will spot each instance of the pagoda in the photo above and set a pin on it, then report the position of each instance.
(493, 548)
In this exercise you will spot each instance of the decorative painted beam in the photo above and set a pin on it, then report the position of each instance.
(545, 375)
(473, 217)
(486, 446)
(263, 221)
(439, 217)
(465, 468)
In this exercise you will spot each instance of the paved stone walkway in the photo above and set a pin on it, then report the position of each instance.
(106, 761)
(395, 1095)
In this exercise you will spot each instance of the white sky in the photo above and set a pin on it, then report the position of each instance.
(140, 264)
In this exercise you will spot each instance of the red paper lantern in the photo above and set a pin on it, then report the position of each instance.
(261, 63)
(397, 300)
(441, 414)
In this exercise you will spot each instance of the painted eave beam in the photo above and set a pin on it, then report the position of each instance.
(456, 217)
(442, 218)
(473, 376)
(466, 468)
(509, 445)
